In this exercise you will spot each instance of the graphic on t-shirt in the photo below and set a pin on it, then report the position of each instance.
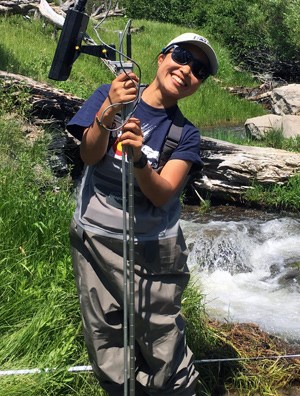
(153, 155)
(117, 149)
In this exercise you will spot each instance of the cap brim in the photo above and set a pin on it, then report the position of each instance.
(200, 42)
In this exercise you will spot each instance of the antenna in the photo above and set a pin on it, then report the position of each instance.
(69, 45)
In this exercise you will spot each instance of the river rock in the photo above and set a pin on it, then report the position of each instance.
(286, 99)
(291, 279)
(258, 127)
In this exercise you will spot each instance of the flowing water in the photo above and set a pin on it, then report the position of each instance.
(248, 268)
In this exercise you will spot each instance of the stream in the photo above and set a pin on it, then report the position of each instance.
(247, 265)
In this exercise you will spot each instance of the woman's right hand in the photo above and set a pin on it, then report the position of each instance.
(95, 138)
(124, 88)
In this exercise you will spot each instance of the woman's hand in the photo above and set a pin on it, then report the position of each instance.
(95, 138)
(132, 137)
(123, 89)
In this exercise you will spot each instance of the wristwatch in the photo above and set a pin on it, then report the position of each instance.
(142, 162)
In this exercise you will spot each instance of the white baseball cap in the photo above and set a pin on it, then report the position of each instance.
(198, 41)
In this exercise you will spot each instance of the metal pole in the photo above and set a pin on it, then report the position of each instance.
(131, 275)
(125, 271)
(128, 257)
(128, 273)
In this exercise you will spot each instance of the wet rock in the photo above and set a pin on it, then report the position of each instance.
(291, 279)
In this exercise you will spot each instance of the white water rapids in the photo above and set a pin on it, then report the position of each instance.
(249, 271)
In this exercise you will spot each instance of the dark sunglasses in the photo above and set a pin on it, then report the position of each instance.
(184, 57)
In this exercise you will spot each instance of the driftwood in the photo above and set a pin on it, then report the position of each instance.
(57, 18)
(22, 7)
(50, 14)
(112, 13)
(229, 169)
(49, 105)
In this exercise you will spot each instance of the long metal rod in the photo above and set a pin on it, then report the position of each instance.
(131, 275)
(128, 259)
(128, 273)
(125, 272)
(128, 267)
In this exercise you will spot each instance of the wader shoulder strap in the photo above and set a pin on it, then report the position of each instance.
(172, 138)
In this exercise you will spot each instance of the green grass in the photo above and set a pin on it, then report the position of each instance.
(40, 322)
(276, 197)
(212, 105)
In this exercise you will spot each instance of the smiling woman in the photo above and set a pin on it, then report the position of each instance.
(164, 363)
(191, 60)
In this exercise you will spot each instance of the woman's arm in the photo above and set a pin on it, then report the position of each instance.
(95, 138)
(159, 188)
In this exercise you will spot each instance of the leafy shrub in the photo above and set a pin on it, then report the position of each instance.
(260, 34)
(192, 13)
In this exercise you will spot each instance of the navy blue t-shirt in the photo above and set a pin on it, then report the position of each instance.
(155, 123)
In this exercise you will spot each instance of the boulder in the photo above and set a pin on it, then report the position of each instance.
(258, 127)
(290, 125)
(286, 99)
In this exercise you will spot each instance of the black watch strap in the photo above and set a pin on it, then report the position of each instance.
(142, 162)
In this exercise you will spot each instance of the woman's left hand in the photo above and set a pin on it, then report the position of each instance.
(132, 137)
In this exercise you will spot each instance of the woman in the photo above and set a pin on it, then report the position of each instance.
(164, 363)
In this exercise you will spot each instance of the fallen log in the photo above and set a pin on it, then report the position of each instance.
(229, 169)
(112, 13)
(22, 7)
(46, 102)
(51, 15)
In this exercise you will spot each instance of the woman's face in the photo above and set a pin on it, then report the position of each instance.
(177, 81)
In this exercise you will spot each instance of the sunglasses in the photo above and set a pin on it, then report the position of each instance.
(184, 57)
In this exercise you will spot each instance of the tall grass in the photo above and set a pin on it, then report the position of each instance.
(211, 105)
(40, 322)
(277, 197)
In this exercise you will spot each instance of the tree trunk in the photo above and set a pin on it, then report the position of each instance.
(10, 7)
(230, 169)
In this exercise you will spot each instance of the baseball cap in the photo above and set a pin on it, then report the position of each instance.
(198, 41)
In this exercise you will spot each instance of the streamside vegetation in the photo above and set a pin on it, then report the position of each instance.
(262, 35)
(40, 322)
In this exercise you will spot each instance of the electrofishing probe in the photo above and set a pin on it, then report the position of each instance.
(68, 49)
